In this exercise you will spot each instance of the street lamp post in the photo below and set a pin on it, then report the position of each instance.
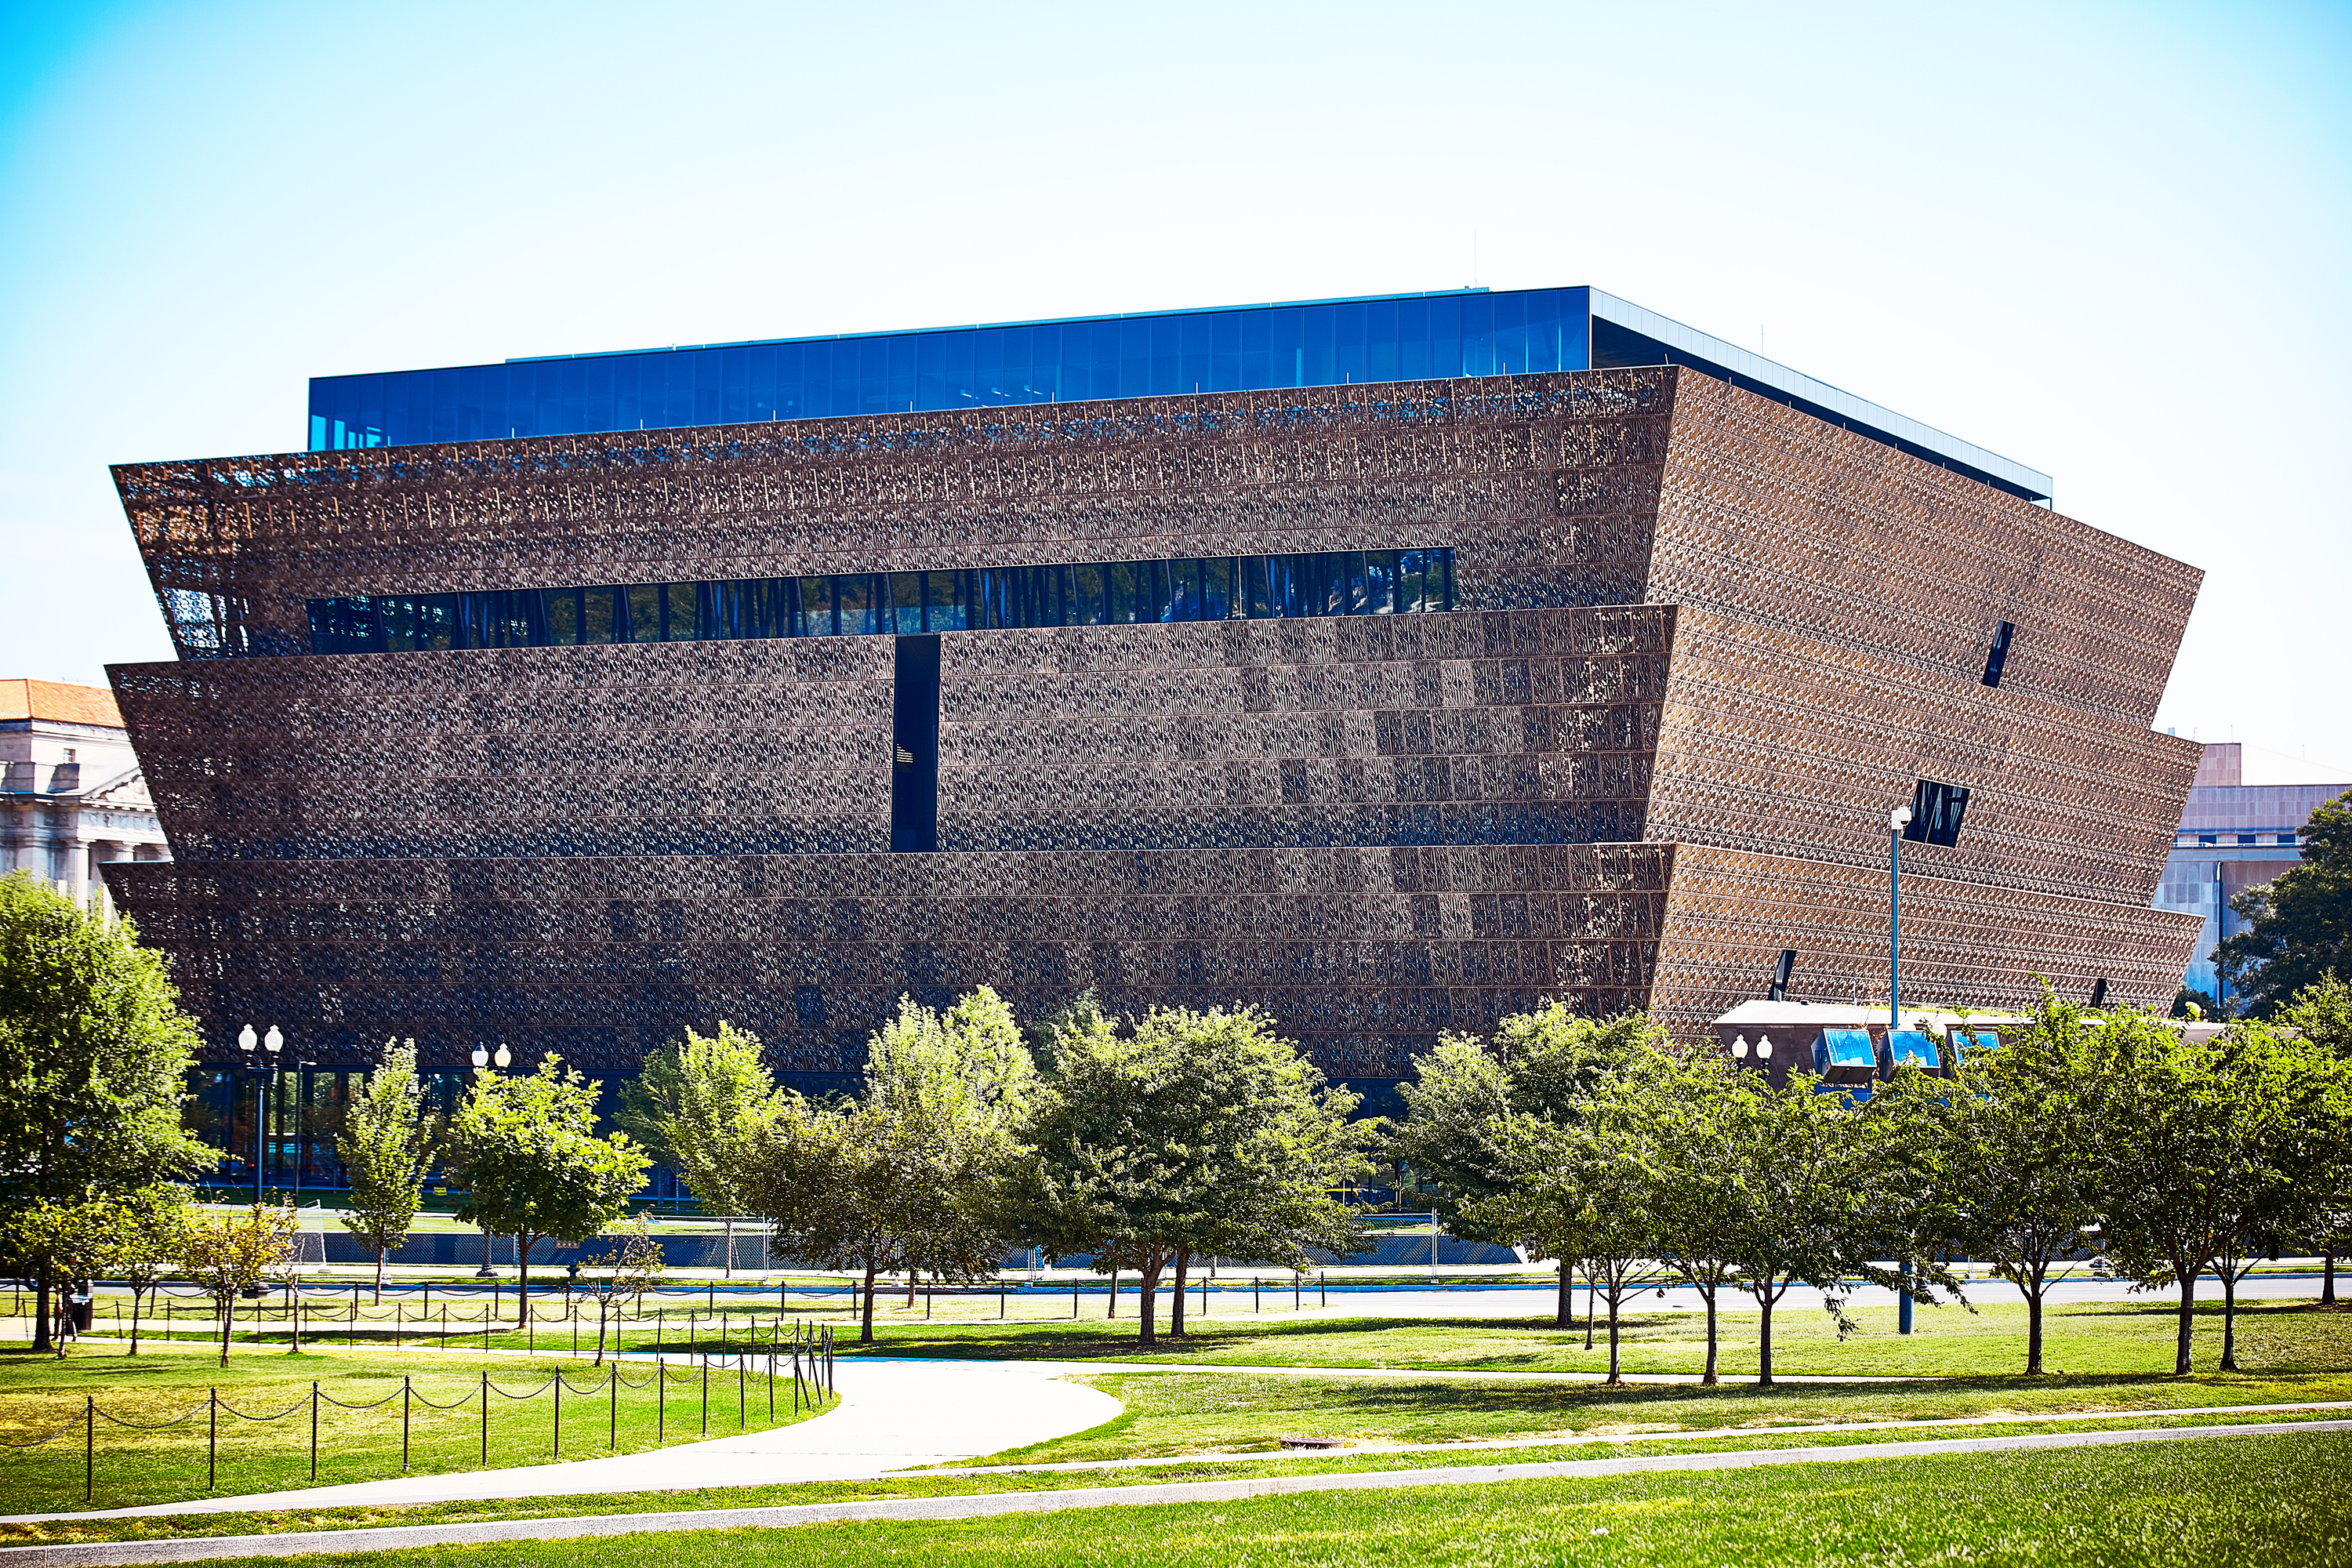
(482, 1060)
(1897, 821)
(264, 1083)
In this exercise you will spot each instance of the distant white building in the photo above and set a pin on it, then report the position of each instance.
(74, 794)
(2234, 835)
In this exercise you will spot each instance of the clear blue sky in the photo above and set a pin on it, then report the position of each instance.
(2108, 242)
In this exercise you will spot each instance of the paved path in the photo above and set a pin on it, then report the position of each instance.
(894, 1415)
(107, 1554)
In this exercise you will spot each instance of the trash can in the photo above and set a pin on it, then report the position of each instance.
(82, 1310)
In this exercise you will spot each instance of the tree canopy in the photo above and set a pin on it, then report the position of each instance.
(385, 1148)
(94, 1053)
(1195, 1132)
(907, 1177)
(525, 1149)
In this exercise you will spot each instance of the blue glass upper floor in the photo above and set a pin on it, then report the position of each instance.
(1406, 337)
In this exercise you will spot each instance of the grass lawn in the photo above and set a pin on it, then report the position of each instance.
(2111, 1337)
(168, 1383)
(2129, 1336)
(1207, 1412)
(2260, 1500)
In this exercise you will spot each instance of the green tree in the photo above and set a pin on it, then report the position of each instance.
(1584, 1186)
(150, 1237)
(229, 1253)
(385, 1148)
(707, 1099)
(2298, 927)
(2025, 1126)
(525, 1148)
(94, 1053)
(1814, 1198)
(1197, 1132)
(621, 1275)
(1541, 1065)
(2214, 1149)
(2322, 1014)
(57, 1245)
(1673, 1115)
(907, 1177)
(648, 1104)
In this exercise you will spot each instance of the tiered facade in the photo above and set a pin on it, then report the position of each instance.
(1701, 643)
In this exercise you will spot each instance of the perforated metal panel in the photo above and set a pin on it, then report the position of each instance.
(1380, 827)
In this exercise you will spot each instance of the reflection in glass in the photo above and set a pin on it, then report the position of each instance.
(1337, 582)
(644, 612)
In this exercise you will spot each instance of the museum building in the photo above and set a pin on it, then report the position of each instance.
(1388, 664)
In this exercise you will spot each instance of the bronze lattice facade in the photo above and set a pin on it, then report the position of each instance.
(1698, 644)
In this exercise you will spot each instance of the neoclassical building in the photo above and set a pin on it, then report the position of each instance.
(1388, 664)
(76, 798)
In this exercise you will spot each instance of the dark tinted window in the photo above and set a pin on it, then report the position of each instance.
(1997, 658)
(1936, 813)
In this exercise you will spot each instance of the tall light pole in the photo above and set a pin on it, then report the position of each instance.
(262, 1083)
(482, 1060)
(1897, 821)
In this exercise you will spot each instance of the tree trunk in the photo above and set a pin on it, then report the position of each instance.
(865, 1321)
(1176, 1301)
(1590, 1290)
(294, 1314)
(1709, 1378)
(2327, 1280)
(2033, 1328)
(2228, 1319)
(522, 1275)
(41, 1315)
(1764, 1344)
(228, 1324)
(1564, 1312)
(910, 1290)
(2187, 1323)
(379, 1276)
(1147, 1285)
(1616, 1373)
(603, 1313)
(134, 1317)
(1112, 1310)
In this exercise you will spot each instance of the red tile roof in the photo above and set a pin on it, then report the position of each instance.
(58, 702)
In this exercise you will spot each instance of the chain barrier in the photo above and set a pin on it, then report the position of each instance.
(805, 1361)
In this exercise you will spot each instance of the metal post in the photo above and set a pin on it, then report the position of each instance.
(741, 1416)
(661, 1402)
(559, 1412)
(403, 1422)
(89, 1448)
(486, 1419)
(706, 1397)
(1893, 930)
(212, 1439)
(314, 1430)
(613, 1418)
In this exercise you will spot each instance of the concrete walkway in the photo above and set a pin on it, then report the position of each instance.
(107, 1554)
(893, 1415)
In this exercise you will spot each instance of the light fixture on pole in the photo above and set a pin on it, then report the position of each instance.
(245, 1041)
(1897, 821)
(481, 1058)
(504, 1059)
